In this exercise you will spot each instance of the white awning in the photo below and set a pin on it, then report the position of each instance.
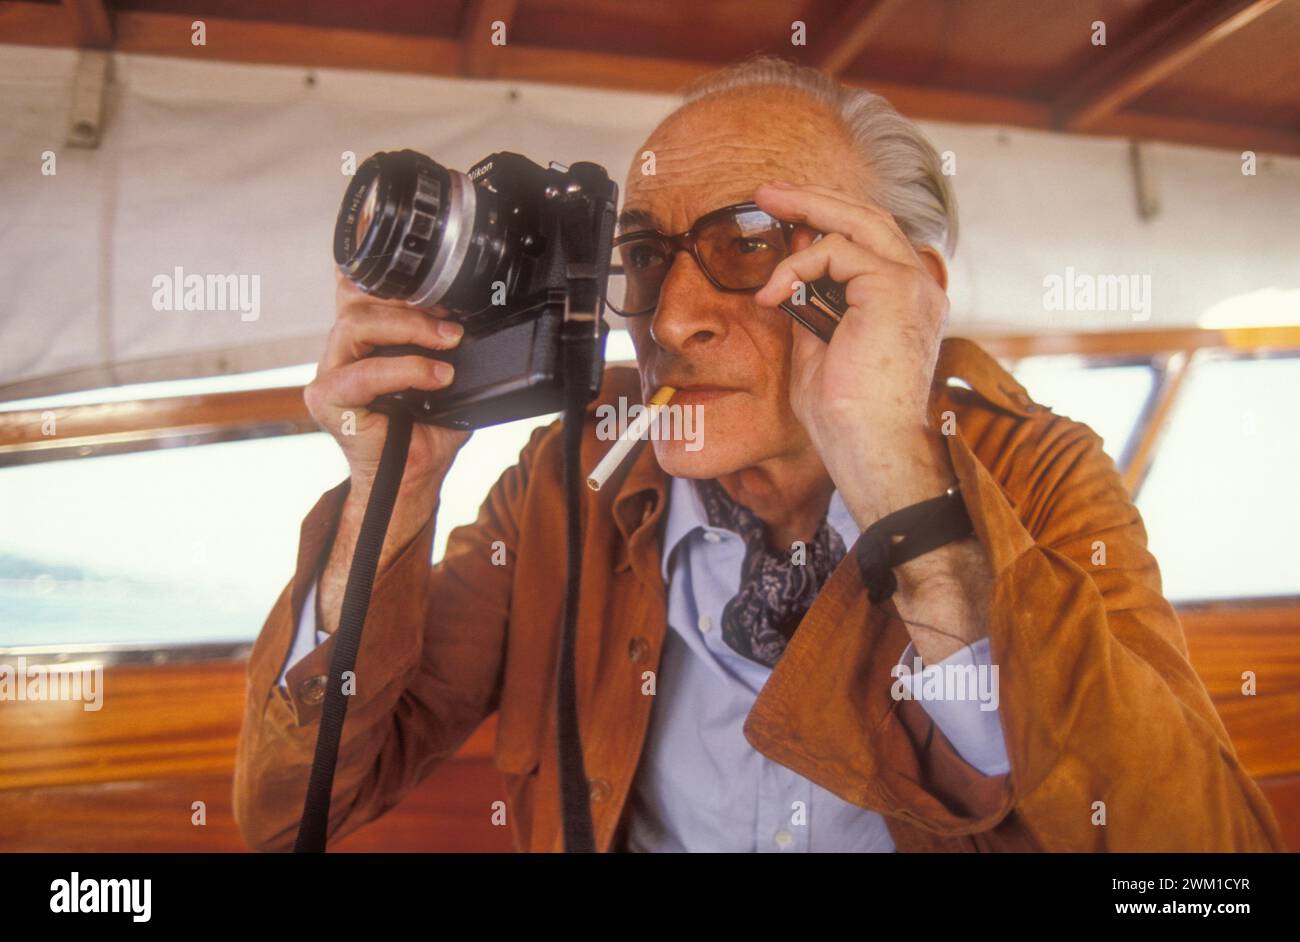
(225, 169)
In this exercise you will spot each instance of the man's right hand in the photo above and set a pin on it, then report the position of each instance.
(346, 382)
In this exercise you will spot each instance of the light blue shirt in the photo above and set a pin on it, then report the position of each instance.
(700, 785)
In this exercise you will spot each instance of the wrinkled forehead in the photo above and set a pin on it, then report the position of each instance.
(717, 151)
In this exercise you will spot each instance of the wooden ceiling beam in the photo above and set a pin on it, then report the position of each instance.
(35, 24)
(168, 34)
(924, 102)
(1151, 56)
(92, 23)
(856, 27)
(1147, 342)
(479, 57)
(1197, 131)
(319, 47)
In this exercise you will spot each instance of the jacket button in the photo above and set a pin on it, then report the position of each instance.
(312, 690)
(600, 790)
(637, 649)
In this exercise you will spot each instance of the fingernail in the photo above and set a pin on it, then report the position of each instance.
(450, 329)
(444, 372)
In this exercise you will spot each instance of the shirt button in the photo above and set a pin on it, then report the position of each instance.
(637, 649)
(784, 839)
(705, 624)
(712, 537)
(312, 690)
(600, 790)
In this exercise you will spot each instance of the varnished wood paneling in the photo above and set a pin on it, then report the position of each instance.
(114, 427)
(1226, 640)
(449, 811)
(166, 722)
(125, 777)
(1284, 795)
(1263, 731)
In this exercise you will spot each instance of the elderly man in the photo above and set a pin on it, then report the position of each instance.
(740, 684)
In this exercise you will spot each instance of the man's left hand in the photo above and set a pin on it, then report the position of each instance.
(864, 396)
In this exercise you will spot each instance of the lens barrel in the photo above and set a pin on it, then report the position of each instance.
(414, 230)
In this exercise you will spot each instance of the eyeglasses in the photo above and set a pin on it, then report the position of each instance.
(737, 247)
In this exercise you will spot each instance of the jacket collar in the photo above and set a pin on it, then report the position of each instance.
(965, 360)
(640, 490)
(640, 498)
(685, 515)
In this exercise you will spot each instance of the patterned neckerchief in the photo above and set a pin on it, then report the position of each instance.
(775, 592)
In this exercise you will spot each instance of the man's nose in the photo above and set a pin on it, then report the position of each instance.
(688, 314)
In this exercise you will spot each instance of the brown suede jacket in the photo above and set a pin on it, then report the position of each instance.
(1098, 701)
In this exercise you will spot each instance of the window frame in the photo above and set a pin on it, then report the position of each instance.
(92, 430)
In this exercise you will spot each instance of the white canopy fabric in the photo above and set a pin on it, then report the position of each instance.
(225, 169)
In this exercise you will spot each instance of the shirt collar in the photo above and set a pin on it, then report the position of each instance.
(686, 514)
(638, 497)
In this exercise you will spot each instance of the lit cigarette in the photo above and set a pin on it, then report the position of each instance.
(623, 447)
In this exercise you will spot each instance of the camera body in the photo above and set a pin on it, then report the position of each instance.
(517, 252)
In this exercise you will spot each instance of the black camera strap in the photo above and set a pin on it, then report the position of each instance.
(579, 835)
(586, 251)
(575, 793)
(314, 827)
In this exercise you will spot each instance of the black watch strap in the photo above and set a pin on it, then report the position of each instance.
(906, 534)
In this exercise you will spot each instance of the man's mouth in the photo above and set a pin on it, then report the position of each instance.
(702, 392)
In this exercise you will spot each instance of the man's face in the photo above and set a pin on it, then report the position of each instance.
(712, 153)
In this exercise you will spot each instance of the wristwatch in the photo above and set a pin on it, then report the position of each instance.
(906, 534)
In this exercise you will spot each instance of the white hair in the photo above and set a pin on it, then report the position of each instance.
(907, 177)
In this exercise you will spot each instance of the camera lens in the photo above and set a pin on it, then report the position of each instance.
(367, 210)
(412, 229)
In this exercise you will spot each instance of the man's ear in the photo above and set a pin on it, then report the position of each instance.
(932, 258)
